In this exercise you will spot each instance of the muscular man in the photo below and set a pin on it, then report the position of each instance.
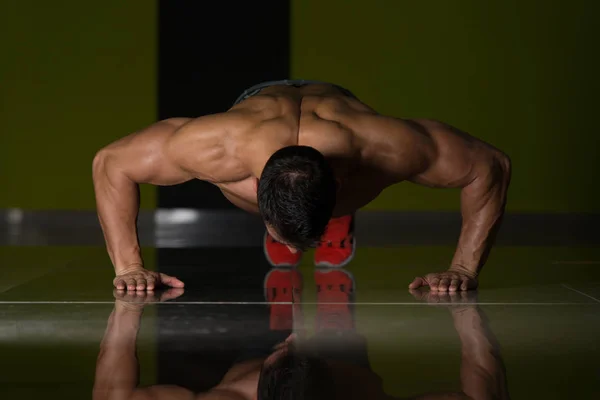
(305, 156)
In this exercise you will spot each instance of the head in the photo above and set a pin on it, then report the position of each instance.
(296, 195)
(289, 375)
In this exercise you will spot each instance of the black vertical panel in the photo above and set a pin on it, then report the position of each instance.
(209, 52)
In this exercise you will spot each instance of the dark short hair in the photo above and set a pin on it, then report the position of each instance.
(297, 194)
(295, 377)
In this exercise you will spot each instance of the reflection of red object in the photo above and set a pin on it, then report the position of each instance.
(337, 244)
(278, 255)
(335, 294)
(284, 285)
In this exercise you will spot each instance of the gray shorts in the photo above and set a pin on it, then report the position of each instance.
(287, 82)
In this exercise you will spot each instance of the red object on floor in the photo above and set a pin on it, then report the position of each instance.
(337, 245)
(284, 286)
(278, 255)
(335, 296)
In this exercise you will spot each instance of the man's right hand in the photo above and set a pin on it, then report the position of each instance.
(139, 278)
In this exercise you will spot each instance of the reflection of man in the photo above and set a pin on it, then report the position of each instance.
(343, 350)
(333, 364)
(306, 156)
(117, 369)
(482, 373)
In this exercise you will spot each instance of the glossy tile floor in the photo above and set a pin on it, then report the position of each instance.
(531, 331)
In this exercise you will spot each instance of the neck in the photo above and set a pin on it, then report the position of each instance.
(258, 159)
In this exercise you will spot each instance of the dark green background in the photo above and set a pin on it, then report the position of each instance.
(74, 76)
(522, 75)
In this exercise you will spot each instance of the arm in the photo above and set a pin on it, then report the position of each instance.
(483, 173)
(482, 207)
(482, 375)
(117, 170)
(482, 372)
(117, 368)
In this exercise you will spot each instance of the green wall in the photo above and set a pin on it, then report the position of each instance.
(520, 75)
(74, 76)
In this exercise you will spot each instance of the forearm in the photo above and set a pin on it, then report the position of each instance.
(482, 369)
(117, 202)
(482, 205)
(476, 239)
(117, 369)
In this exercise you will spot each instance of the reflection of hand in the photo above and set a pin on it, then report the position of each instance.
(452, 280)
(137, 300)
(139, 278)
(446, 298)
(483, 375)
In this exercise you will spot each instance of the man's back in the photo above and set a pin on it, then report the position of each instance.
(367, 151)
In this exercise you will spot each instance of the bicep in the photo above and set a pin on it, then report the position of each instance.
(142, 157)
(402, 149)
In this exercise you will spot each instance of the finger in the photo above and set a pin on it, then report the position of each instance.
(140, 294)
(444, 283)
(417, 283)
(434, 283)
(126, 296)
(141, 284)
(119, 284)
(433, 297)
(444, 296)
(171, 294)
(171, 281)
(130, 282)
(454, 283)
(150, 284)
(455, 297)
(119, 293)
(418, 294)
(464, 285)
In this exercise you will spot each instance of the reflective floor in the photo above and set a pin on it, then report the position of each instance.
(531, 331)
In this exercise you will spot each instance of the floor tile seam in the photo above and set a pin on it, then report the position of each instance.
(34, 278)
(580, 292)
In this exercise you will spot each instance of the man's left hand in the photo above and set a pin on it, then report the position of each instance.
(449, 281)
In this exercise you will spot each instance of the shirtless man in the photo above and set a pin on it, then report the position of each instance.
(304, 155)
